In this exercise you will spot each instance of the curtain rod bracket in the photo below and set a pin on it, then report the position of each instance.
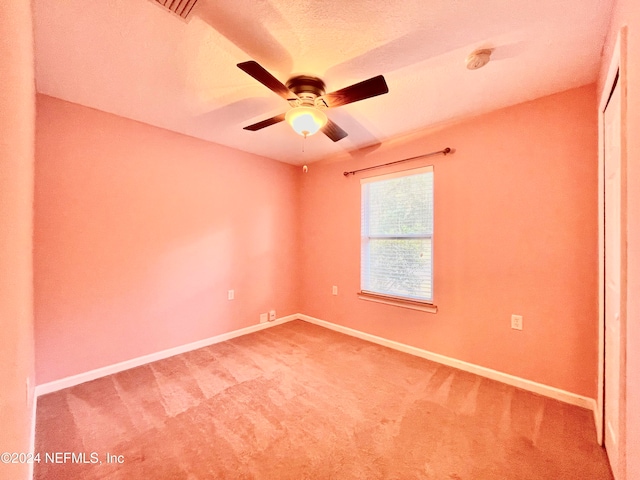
(439, 152)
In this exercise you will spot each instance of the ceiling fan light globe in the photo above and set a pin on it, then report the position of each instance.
(306, 121)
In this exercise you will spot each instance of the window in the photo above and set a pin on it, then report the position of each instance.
(397, 235)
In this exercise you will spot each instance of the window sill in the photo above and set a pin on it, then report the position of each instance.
(399, 302)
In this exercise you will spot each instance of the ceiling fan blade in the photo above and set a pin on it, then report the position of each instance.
(359, 91)
(265, 123)
(333, 131)
(258, 72)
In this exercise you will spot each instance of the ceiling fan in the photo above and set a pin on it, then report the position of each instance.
(306, 95)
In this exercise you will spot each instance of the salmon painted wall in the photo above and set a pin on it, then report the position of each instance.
(139, 234)
(627, 13)
(515, 233)
(17, 120)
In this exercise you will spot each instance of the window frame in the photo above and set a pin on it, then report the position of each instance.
(398, 300)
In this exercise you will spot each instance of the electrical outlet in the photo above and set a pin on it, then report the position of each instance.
(272, 315)
(264, 317)
(516, 322)
(231, 295)
(334, 290)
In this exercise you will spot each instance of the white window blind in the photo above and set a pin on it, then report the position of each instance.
(397, 234)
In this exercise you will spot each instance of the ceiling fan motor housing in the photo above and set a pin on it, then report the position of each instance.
(306, 84)
(307, 88)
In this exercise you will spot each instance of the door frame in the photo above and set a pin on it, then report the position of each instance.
(617, 67)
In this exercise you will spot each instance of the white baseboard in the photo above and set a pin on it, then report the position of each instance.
(597, 417)
(32, 434)
(529, 385)
(67, 382)
(539, 388)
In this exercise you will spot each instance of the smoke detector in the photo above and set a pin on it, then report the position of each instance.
(478, 59)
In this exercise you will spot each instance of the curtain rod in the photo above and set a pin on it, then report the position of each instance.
(443, 152)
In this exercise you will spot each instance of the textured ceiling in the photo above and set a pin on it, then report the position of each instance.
(135, 59)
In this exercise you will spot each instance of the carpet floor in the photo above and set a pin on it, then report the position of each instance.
(298, 401)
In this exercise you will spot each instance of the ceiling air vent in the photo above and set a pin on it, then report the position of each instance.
(182, 8)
